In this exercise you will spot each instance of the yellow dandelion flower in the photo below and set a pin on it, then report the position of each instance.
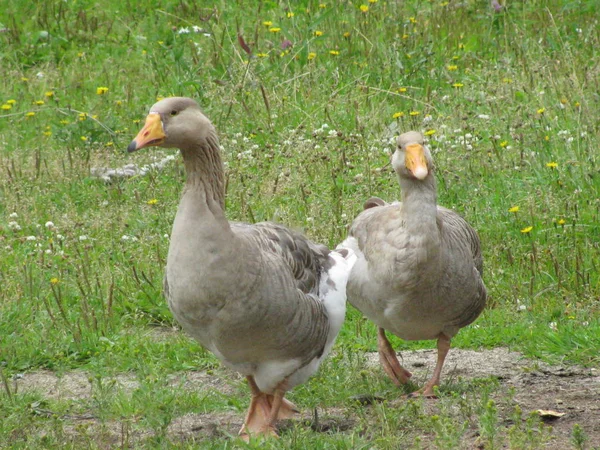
(444, 4)
(564, 100)
(64, 122)
(262, 55)
(290, 14)
(364, 8)
(414, 113)
(110, 144)
(30, 114)
(161, 42)
(429, 132)
(274, 29)
(118, 103)
(461, 46)
(552, 165)
(347, 34)
(6, 107)
(54, 280)
(452, 67)
(83, 138)
(101, 90)
(507, 80)
(457, 85)
(82, 116)
(372, 1)
(152, 201)
(541, 110)
(527, 229)
(24, 79)
(513, 209)
(47, 133)
(311, 55)
(412, 20)
(268, 23)
(334, 52)
(546, 138)
(577, 104)
(159, 98)
(405, 36)
(80, 54)
(49, 94)
(318, 33)
(322, 5)
(503, 144)
(11, 101)
(39, 102)
(455, 57)
(144, 52)
(561, 221)
(398, 115)
(402, 90)
(136, 121)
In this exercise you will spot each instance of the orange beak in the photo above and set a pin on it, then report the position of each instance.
(415, 161)
(151, 135)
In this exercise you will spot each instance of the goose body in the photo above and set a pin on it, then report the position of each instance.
(419, 265)
(264, 299)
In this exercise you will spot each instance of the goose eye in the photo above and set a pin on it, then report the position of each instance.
(174, 113)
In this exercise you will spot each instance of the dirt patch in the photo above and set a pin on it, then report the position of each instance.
(572, 390)
(533, 385)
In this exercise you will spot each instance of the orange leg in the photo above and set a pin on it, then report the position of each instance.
(265, 410)
(443, 346)
(259, 412)
(389, 360)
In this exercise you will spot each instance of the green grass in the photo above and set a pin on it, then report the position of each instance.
(509, 101)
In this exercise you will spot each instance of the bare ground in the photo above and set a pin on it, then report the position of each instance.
(571, 390)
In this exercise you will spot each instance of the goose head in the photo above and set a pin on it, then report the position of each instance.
(174, 122)
(412, 158)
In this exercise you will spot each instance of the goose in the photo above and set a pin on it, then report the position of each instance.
(419, 265)
(262, 298)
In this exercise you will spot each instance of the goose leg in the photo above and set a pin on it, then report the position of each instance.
(287, 409)
(259, 413)
(443, 346)
(389, 360)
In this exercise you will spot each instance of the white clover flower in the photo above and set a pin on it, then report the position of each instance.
(49, 225)
(166, 236)
(570, 139)
(427, 118)
(124, 237)
(310, 219)
(483, 116)
(13, 215)
(48, 251)
(60, 237)
(468, 136)
(134, 239)
(332, 133)
(196, 29)
(183, 30)
(522, 307)
(14, 226)
(83, 237)
(31, 238)
(553, 326)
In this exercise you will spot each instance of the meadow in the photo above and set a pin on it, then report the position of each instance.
(308, 98)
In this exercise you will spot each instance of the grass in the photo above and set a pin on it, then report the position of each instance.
(307, 98)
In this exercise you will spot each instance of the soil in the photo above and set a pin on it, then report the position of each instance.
(570, 390)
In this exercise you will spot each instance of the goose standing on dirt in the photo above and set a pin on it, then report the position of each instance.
(419, 267)
(265, 300)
